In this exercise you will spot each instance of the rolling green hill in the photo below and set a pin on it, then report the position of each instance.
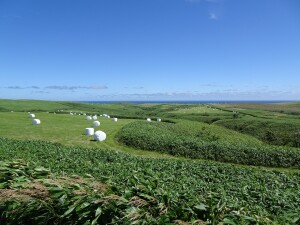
(153, 172)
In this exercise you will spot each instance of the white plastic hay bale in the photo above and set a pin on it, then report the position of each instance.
(36, 122)
(148, 119)
(89, 131)
(108, 117)
(88, 118)
(71, 114)
(96, 123)
(115, 119)
(99, 136)
(84, 114)
(31, 115)
(158, 119)
(95, 117)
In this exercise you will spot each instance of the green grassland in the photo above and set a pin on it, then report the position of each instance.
(154, 173)
(66, 129)
(278, 109)
(276, 124)
(204, 109)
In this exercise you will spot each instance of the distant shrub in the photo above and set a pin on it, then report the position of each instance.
(270, 137)
(235, 115)
(295, 139)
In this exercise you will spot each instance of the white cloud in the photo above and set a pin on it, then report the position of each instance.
(59, 87)
(193, 1)
(213, 16)
(21, 87)
(226, 94)
(64, 87)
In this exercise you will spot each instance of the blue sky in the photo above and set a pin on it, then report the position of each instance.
(150, 49)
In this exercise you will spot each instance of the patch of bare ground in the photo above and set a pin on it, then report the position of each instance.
(38, 188)
(197, 222)
(33, 190)
(77, 180)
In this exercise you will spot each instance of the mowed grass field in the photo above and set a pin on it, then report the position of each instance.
(62, 128)
(69, 130)
(65, 129)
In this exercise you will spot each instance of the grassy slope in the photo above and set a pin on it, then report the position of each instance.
(30, 105)
(65, 129)
(276, 124)
(210, 132)
(277, 109)
(122, 109)
(69, 130)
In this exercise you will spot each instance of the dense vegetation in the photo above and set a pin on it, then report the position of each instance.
(54, 174)
(142, 190)
(275, 124)
(282, 132)
(154, 137)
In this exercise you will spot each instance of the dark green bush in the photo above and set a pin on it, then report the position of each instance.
(150, 137)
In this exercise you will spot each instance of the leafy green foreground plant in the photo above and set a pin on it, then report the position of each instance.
(151, 137)
(137, 190)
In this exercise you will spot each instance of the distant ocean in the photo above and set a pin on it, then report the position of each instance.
(187, 102)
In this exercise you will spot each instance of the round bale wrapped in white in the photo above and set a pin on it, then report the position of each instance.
(36, 122)
(115, 119)
(108, 117)
(31, 115)
(89, 131)
(158, 119)
(96, 123)
(88, 118)
(99, 136)
(149, 119)
(94, 117)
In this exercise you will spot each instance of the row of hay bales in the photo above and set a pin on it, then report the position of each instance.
(99, 135)
(34, 121)
(149, 120)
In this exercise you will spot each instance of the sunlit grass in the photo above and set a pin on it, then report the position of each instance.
(65, 129)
